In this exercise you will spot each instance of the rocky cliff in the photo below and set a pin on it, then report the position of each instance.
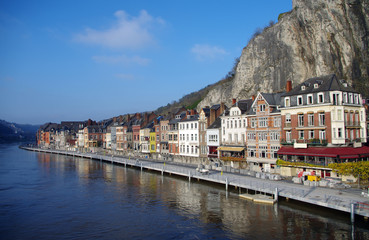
(316, 37)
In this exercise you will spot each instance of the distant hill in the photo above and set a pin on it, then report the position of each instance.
(13, 132)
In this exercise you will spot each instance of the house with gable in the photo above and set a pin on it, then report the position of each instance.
(233, 143)
(263, 132)
(323, 121)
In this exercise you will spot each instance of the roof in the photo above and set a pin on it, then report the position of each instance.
(190, 118)
(325, 83)
(216, 124)
(273, 99)
(334, 152)
(243, 105)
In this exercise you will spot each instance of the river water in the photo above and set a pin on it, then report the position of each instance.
(45, 196)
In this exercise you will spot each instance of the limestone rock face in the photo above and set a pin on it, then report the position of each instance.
(317, 37)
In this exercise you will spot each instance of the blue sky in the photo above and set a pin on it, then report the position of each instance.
(74, 60)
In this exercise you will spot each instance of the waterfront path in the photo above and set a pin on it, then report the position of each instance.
(338, 199)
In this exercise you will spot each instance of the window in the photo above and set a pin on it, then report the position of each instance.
(263, 122)
(231, 123)
(340, 133)
(320, 98)
(356, 99)
(228, 124)
(287, 102)
(301, 134)
(235, 123)
(288, 118)
(244, 123)
(339, 114)
(302, 87)
(336, 98)
(251, 151)
(277, 121)
(311, 119)
(251, 136)
(253, 122)
(262, 107)
(195, 125)
(262, 136)
(263, 151)
(191, 137)
(310, 99)
(301, 120)
(288, 136)
(316, 85)
(321, 119)
(274, 136)
(350, 98)
(236, 138)
(299, 100)
(311, 134)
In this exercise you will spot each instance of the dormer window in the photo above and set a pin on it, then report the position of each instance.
(316, 85)
(287, 102)
(303, 88)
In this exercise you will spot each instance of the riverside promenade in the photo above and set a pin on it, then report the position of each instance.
(345, 200)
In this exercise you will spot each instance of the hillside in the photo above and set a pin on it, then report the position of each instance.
(13, 132)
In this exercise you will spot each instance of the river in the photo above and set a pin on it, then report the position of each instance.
(46, 196)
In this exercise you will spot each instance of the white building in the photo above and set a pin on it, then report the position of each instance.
(189, 136)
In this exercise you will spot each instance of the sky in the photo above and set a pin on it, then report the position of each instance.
(74, 60)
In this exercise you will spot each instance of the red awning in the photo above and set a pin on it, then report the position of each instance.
(334, 152)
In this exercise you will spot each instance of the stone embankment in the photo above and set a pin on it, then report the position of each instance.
(346, 200)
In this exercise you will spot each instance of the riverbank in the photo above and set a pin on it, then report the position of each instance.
(348, 200)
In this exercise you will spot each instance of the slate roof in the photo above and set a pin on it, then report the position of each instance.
(216, 124)
(326, 83)
(243, 105)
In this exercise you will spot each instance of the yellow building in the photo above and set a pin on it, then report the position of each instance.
(152, 141)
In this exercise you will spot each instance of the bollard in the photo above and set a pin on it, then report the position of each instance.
(226, 184)
(276, 195)
(352, 213)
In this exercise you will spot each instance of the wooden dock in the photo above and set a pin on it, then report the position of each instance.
(348, 200)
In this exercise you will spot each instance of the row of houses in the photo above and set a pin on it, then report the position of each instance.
(320, 121)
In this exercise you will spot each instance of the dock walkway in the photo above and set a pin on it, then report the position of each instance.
(345, 200)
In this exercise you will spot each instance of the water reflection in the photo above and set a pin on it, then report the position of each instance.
(179, 209)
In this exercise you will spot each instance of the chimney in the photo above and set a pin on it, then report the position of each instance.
(222, 108)
(253, 97)
(233, 101)
(192, 112)
(155, 121)
(289, 86)
(212, 116)
(138, 116)
(128, 117)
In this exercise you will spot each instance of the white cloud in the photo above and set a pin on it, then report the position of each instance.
(126, 32)
(205, 52)
(122, 59)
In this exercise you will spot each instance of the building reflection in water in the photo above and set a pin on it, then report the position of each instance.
(209, 204)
